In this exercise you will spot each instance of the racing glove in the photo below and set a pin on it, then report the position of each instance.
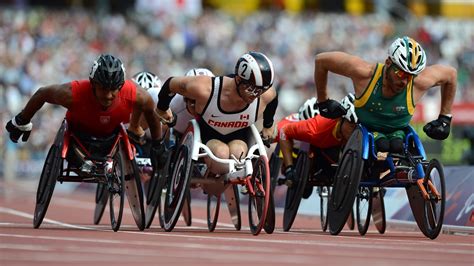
(331, 109)
(17, 127)
(439, 128)
(158, 154)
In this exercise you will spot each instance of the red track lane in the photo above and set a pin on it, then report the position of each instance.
(68, 237)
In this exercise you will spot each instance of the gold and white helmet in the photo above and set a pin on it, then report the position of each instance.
(408, 55)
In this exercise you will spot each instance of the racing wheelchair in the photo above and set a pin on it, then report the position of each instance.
(108, 162)
(314, 167)
(361, 175)
(252, 172)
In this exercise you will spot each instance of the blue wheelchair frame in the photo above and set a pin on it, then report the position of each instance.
(390, 180)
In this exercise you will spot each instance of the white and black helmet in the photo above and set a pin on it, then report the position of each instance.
(255, 68)
(408, 55)
(200, 72)
(348, 104)
(147, 80)
(309, 109)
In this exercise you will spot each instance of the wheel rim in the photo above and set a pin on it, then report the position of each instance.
(116, 193)
(434, 206)
(363, 208)
(260, 200)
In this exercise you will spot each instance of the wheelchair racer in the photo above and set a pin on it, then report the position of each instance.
(316, 130)
(228, 105)
(387, 93)
(95, 107)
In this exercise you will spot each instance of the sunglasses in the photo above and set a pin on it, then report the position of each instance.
(252, 89)
(400, 73)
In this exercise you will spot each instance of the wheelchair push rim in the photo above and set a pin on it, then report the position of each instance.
(434, 205)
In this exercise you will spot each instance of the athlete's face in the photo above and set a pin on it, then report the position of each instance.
(397, 78)
(248, 91)
(104, 96)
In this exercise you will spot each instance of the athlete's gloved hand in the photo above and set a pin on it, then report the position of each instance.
(290, 176)
(158, 154)
(439, 128)
(17, 127)
(331, 109)
(136, 139)
(167, 117)
(268, 135)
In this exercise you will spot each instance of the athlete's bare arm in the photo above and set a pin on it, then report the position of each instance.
(437, 75)
(145, 104)
(196, 88)
(343, 64)
(59, 94)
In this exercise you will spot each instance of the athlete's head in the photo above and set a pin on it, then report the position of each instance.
(147, 80)
(254, 75)
(200, 72)
(406, 59)
(107, 77)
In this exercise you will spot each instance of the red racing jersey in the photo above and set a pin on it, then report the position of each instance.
(87, 115)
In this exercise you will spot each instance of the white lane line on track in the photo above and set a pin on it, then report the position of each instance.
(87, 205)
(441, 247)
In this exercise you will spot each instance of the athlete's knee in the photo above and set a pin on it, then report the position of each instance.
(382, 144)
(396, 145)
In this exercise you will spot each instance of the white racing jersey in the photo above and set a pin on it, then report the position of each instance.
(227, 122)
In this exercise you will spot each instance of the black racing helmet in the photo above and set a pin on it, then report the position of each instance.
(108, 71)
(255, 68)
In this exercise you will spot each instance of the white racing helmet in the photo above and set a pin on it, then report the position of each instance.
(147, 80)
(408, 55)
(200, 72)
(309, 109)
(348, 104)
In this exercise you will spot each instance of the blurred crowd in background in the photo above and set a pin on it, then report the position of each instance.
(40, 47)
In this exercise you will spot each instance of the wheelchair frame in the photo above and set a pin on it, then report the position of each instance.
(103, 172)
(243, 172)
(409, 170)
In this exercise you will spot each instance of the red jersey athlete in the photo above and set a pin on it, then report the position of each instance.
(96, 107)
(318, 131)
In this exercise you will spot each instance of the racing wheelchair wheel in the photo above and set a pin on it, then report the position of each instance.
(51, 170)
(433, 213)
(101, 198)
(324, 192)
(363, 209)
(233, 204)
(378, 210)
(177, 188)
(269, 226)
(134, 191)
(156, 200)
(116, 189)
(259, 195)
(346, 183)
(213, 207)
(187, 210)
(295, 193)
(275, 167)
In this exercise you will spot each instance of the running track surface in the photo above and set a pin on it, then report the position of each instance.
(68, 237)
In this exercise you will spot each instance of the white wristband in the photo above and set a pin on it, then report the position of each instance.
(26, 127)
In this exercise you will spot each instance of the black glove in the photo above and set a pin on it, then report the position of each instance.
(439, 128)
(158, 154)
(290, 176)
(331, 109)
(17, 127)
